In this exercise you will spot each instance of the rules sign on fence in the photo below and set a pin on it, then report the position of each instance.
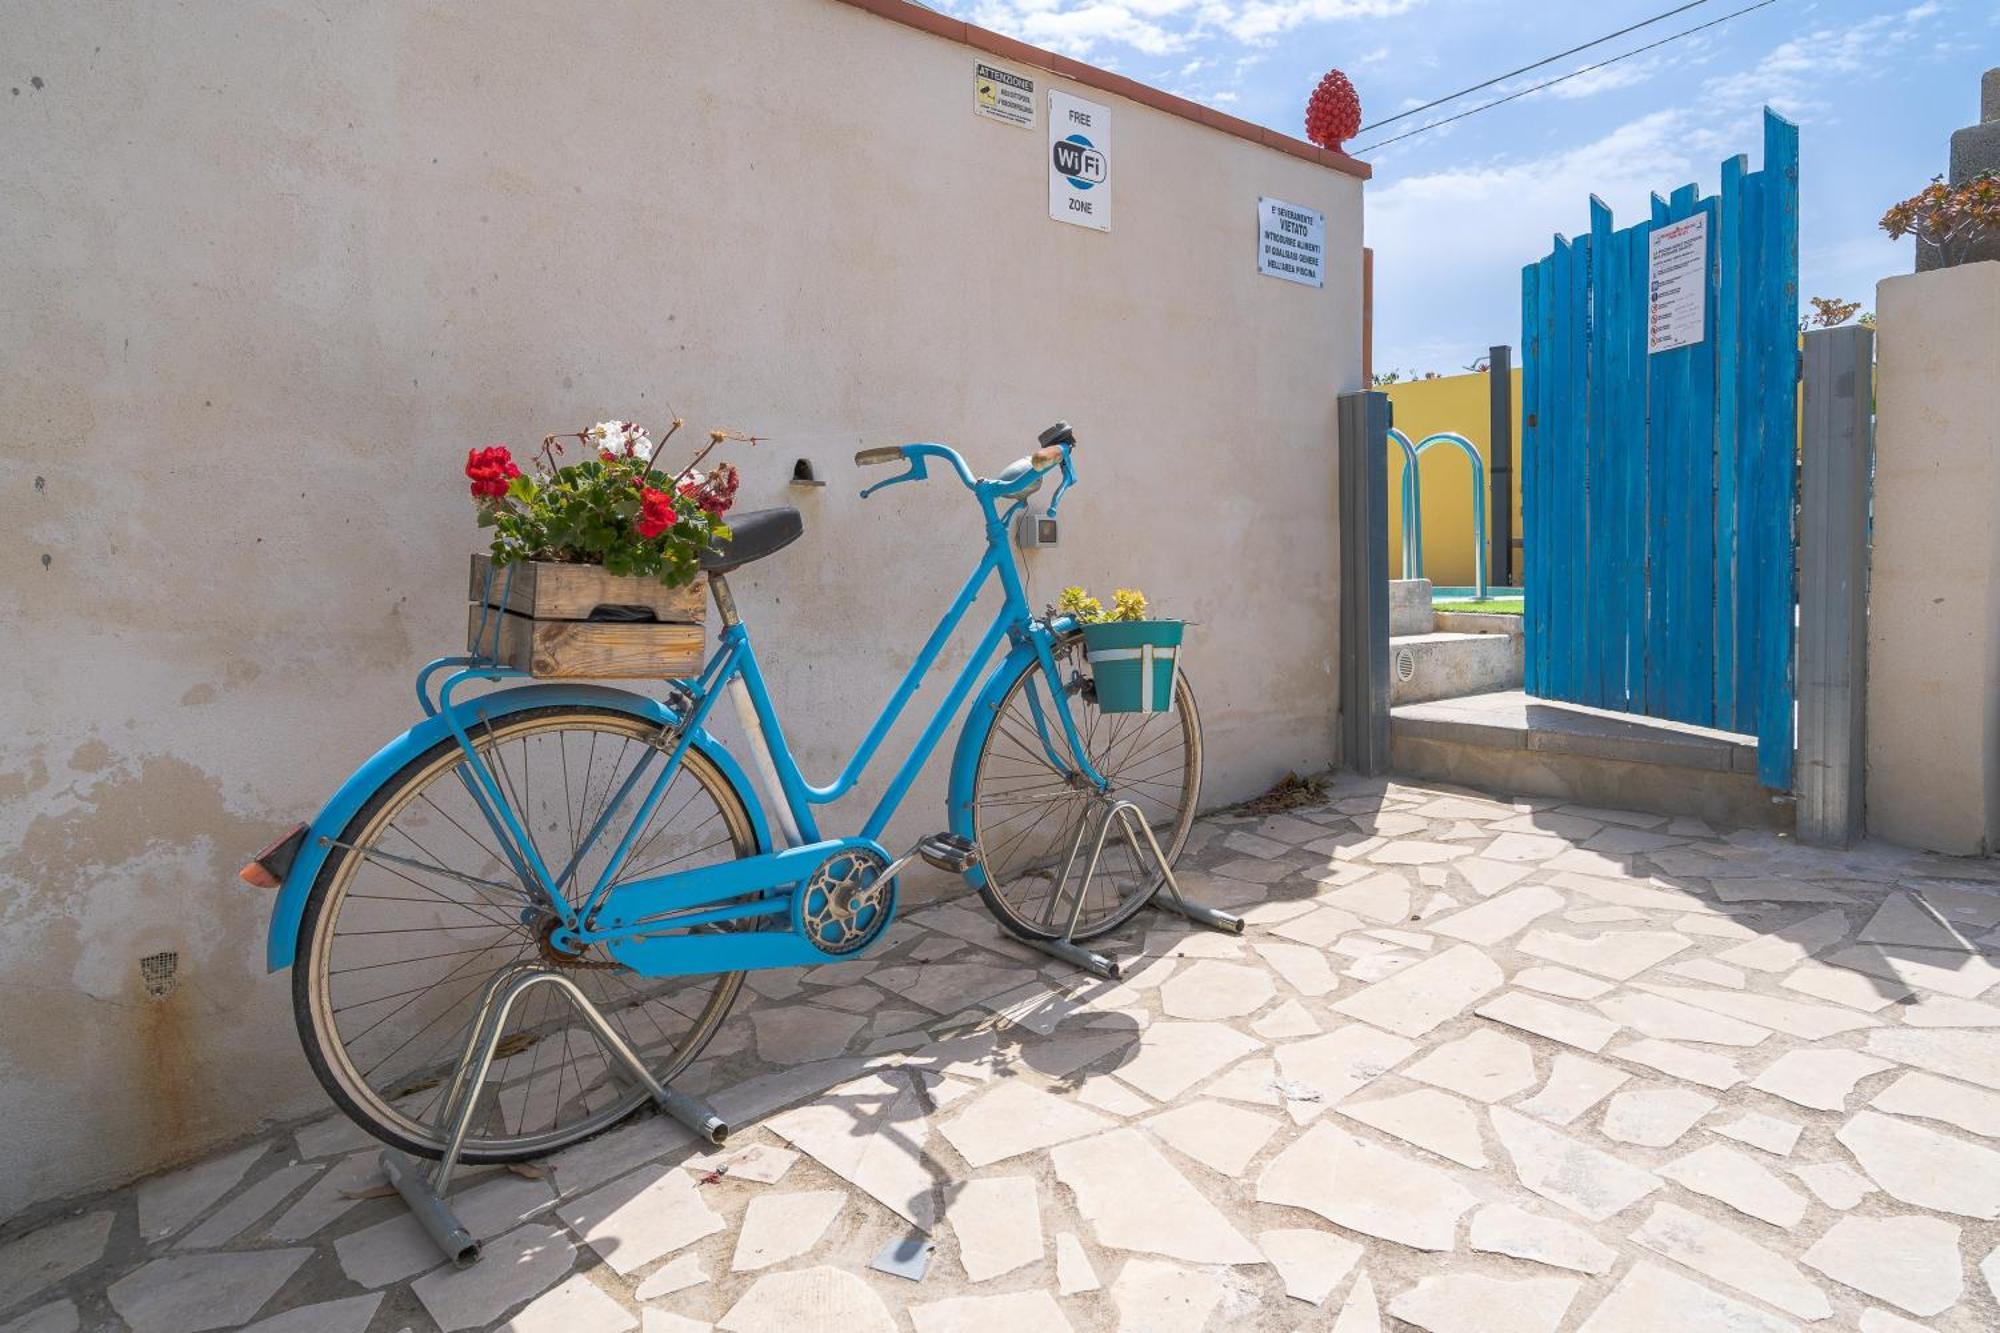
(1291, 242)
(1677, 284)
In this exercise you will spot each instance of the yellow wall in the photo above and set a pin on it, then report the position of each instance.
(1455, 403)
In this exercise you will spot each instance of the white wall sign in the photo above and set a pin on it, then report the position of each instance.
(1003, 95)
(1291, 242)
(1079, 161)
(1676, 284)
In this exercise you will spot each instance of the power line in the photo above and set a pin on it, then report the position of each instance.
(1599, 41)
(1550, 83)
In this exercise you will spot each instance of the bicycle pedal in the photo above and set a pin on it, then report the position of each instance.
(949, 852)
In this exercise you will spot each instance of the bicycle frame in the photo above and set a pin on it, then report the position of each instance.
(678, 900)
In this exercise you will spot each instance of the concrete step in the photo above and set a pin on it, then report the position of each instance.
(1445, 665)
(1476, 622)
(1511, 744)
(1410, 606)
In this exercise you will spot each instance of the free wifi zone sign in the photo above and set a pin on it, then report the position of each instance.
(1079, 161)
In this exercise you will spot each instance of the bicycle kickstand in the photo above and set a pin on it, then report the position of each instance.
(1133, 827)
(425, 1194)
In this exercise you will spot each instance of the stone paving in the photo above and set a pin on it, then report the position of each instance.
(1476, 1067)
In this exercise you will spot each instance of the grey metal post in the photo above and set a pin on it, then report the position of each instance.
(1364, 581)
(1500, 463)
(1833, 584)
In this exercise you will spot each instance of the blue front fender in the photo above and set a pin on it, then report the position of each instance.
(972, 738)
(282, 946)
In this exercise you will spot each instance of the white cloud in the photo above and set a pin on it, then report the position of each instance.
(1804, 77)
(1604, 80)
(1159, 27)
(1261, 20)
(1449, 245)
(1079, 28)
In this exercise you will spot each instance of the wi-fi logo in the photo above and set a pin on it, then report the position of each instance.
(1077, 159)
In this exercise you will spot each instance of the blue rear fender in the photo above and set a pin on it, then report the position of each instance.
(281, 949)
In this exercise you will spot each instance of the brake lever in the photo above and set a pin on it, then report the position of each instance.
(917, 472)
(1068, 480)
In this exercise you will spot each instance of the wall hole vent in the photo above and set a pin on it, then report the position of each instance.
(157, 971)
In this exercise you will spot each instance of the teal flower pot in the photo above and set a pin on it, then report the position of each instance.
(1134, 663)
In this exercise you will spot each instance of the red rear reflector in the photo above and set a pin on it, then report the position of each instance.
(267, 869)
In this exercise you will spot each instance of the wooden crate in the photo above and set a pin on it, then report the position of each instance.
(540, 623)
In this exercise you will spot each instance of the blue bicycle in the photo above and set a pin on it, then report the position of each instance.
(608, 836)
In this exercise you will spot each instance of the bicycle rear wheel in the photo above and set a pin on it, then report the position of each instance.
(1026, 811)
(417, 909)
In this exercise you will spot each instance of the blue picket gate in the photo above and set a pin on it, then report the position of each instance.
(1658, 486)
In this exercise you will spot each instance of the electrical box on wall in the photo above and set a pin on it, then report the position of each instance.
(1033, 531)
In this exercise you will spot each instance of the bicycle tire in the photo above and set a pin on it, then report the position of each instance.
(994, 877)
(313, 1010)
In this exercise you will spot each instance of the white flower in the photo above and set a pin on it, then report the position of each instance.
(622, 437)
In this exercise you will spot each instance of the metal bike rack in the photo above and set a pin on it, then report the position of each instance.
(426, 1194)
(1133, 826)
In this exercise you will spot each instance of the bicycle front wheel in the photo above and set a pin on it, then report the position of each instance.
(417, 909)
(1027, 811)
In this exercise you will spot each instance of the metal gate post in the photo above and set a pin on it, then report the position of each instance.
(1835, 453)
(1364, 581)
(1500, 463)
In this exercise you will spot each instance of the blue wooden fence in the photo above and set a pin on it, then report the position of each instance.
(1657, 490)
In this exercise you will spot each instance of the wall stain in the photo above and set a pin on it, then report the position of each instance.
(166, 805)
(93, 756)
(203, 693)
(137, 862)
(18, 784)
(167, 1065)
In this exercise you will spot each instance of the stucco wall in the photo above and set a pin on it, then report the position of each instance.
(1934, 583)
(269, 271)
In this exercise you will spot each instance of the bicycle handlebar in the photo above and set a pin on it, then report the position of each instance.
(1017, 478)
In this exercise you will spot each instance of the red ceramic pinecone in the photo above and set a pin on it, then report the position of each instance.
(1333, 116)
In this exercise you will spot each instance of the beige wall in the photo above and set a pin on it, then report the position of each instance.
(1934, 598)
(271, 268)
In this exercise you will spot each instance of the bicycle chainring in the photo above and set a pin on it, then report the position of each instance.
(845, 903)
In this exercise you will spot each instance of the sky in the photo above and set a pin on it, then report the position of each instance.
(1876, 88)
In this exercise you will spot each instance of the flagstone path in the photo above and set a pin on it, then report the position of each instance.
(1476, 1066)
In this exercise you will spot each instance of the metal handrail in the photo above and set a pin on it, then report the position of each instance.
(1413, 508)
(1411, 483)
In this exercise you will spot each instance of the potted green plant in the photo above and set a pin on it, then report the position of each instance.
(1134, 660)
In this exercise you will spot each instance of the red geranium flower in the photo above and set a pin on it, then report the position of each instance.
(656, 512)
(490, 469)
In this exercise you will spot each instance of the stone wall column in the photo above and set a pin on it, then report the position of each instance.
(1933, 693)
